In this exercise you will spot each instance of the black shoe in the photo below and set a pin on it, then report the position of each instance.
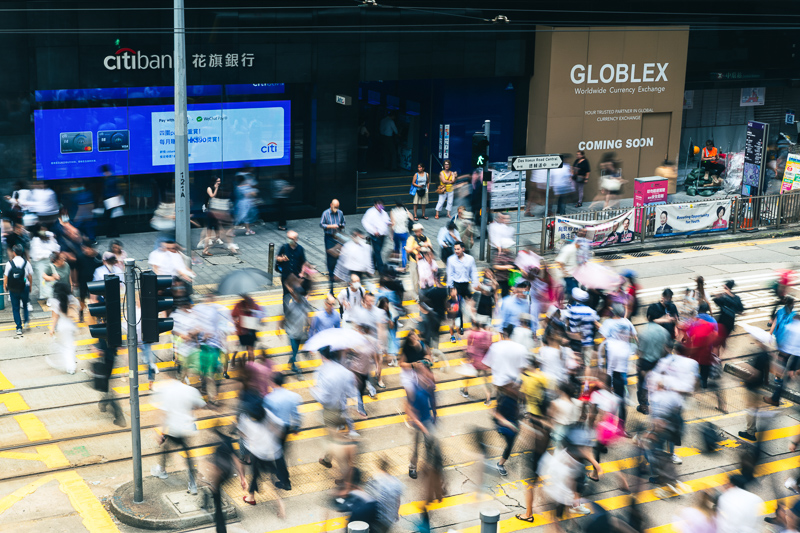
(747, 436)
(412, 473)
(225, 375)
(772, 520)
(280, 485)
(655, 480)
(642, 409)
(460, 331)
(102, 406)
(120, 421)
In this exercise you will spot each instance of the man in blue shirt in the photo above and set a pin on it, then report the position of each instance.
(331, 222)
(582, 321)
(461, 271)
(326, 319)
(514, 305)
(284, 404)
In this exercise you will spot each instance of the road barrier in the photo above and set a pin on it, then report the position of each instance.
(733, 214)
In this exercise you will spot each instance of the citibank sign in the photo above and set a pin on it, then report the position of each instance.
(129, 59)
(619, 73)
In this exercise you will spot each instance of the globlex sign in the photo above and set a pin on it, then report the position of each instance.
(619, 73)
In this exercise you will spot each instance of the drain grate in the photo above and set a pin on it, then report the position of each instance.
(670, 251)
(700, 248)
(639, 254)
(613, 257)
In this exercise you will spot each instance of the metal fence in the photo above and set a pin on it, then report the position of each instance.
(747, 214)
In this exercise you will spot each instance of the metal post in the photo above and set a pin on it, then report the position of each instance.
(735, 213)
(357, 527)
(643, 221)
(271, 264)
(547, 195)
(519, 203)
(489, 519)
(543, 244)
(182, 226)
(133, 379)
(484, 215)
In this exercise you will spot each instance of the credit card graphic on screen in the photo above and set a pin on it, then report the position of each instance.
(112, 140)
(78, 141)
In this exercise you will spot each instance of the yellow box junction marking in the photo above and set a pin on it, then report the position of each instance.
(49, 454)
(33, 427)
(13, 402)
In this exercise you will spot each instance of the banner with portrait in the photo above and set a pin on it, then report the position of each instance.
(601, 233)
(681, 219)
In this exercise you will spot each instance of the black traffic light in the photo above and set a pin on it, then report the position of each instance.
(108, 310)
(153, 303)
(480, 150)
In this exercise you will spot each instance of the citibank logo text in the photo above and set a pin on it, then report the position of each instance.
(129, 59)
(619, 73)
(270, 148)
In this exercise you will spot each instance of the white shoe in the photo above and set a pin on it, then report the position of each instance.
(667, 491)
(791, 484)
(580, 509)
(30, 306)
(156, 471)
(192, 488)
(353, 434)
(676, 460)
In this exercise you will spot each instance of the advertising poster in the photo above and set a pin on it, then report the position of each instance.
(441, 139)
(791, 176)
(600, 233)
(446, 153)
(754, 146)
(680, 219)
(753, 96)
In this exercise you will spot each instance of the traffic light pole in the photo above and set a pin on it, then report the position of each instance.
(182, 226)
(133, 379)
(485, 195)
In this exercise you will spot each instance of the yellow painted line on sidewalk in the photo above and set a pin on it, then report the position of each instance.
(49, 454)
(4, 383)
(778, 433)
(768, 507)
(13, 402)
(21, 493)
(33, 427)
(95, 517)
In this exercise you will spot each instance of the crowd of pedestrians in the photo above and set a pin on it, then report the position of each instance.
(552, 359)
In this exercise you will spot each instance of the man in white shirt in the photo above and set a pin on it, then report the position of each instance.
(738, 510)
(350, 299)
(169, 261)
(506, 358)
(177, 401)
(376, 223)
(355, 258)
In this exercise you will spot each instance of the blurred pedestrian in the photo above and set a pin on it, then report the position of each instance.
(211, 233)
(43, 245)
(563, 184)
(17, 279)
(479, 339)
(260, 429)
(211, 324)
(446, 238)
(400, 222)
(387, 491)
(503, 265)
(221, 208)
(168, 260)
(177, 402)
(56, 271)
(355, 258)
(421, 414)
(328, 318)
(415, 242)
(729, 305)
(246, 315)
(486, 291)
(654, 342)
(462, 273)
(377, 224)
(245, 207)
(332, 222)
(582, 323)
(284, 404)
(350, 299)
(580, 173)
(295, 320)
(515, 305)
(63, 327)
(454, 313)
(738, 509)
(506, 418)
(427, 270)
(112, 201)
(506, 358)
(334, 385)
(281, 189)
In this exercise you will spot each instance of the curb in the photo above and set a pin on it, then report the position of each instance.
(789, 394)
(157, 513)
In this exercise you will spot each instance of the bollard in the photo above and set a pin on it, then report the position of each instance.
(271, 262)
(357, 527)
(489, 519)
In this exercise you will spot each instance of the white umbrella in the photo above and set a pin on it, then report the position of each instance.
(527, 260)
(762, 336)
(595, 276)
(335, 339)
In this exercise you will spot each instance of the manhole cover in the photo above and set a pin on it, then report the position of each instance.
(183, 502)
(700, 248)
(223, 260)
(670, 251)
(640, 254)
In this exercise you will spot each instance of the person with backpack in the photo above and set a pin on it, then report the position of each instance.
(17, 280)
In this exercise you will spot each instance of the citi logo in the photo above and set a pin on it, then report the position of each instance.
(270, 148)
(129, 59)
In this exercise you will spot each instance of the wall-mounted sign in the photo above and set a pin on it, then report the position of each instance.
(790, 116)
(753, 96)
(446, 148)
(343, 100)
(791, 176)
(688, 99)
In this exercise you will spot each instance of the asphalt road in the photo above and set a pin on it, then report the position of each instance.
(62, 459)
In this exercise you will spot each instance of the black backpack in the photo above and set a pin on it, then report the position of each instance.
(16, 277)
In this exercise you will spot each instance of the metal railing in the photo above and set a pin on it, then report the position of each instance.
(747, 214)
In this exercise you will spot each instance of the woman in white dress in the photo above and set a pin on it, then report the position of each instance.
(63, 327)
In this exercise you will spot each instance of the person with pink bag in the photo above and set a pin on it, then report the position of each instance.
(479, 339)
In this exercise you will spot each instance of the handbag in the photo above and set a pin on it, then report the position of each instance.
(611, 184)
(440, 189)
(219, 204)
(250, 322)
(413, 191)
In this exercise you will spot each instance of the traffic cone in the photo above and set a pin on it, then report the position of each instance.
(747, 221)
